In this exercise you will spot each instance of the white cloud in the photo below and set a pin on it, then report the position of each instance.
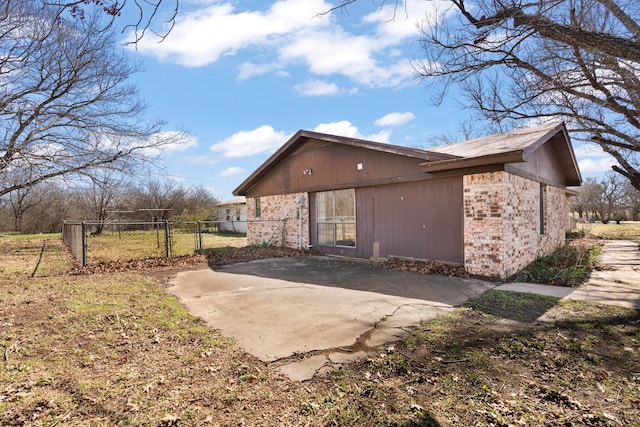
(201, 36)
(233, 170)
(398, 21)
(249, 69)
(336, 52)
(289, 33)
(595, 165)
(317, 88)
(346, 128)
(248, 143)
(592, 159)
(395, 119)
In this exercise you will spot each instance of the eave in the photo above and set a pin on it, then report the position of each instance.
(469, 162)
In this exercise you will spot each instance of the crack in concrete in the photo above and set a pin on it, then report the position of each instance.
(360, 345)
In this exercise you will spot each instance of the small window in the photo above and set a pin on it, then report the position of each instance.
(228, 214)
(542, 210)
(257, 207)
(237, 214)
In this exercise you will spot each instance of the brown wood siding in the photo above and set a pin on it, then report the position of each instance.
(418, 220)
(421, 220)
(335, 166)
(543, 165)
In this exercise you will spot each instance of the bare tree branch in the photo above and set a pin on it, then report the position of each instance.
(518, 60)
(66, 104)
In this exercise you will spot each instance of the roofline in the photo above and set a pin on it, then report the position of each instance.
(433, 161)
(545, 138)
(468, 162)
(516, 156)
(302, 136)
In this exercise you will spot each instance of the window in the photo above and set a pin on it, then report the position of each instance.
(237, 214)
(336, 218)
(257, 206)
(228, 214)
(542, 203)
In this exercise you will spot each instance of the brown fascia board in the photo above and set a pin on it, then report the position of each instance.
(469, 162)
(577, 178)
(433, 156)
(377, 146)
(560, 127)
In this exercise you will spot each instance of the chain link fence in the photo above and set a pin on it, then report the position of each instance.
(93, 242)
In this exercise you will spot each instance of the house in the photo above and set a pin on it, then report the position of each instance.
(492, 204)
(232, 215)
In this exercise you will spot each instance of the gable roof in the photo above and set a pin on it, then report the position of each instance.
(509, 147)
(303, 136)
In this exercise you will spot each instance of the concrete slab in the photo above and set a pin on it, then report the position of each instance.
(305, 369)
(324, 306)
(274, 319)
(333, 310)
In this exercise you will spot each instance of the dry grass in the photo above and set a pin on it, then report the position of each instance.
(115, 349)
(612, 231)
(113, 246)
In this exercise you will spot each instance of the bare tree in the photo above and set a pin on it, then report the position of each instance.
(100, 197)
(611, 198)
(632, 201)
(160, 199)
(145, 14)
(20, 202)
(65, 103)
(523, 60)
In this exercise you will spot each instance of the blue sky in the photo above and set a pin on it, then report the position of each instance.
(241, 77)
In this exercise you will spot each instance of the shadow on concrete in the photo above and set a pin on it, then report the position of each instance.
(362, 275)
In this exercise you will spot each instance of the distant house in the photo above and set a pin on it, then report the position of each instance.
(491, 204)
(232, 215)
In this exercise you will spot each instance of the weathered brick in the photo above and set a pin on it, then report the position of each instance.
(279, 220)
(509, 239)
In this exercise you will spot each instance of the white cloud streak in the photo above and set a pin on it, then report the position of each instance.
(395, 119)
(231, 171)
(248, 143)
(592, 159)
(317, 88)
(346, 128)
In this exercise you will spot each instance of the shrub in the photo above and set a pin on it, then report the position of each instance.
(569, 265)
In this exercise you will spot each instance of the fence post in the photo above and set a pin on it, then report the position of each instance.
(84, 244)
(167, 239)
(199, 231)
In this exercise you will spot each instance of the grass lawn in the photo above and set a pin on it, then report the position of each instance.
(115, 349)
(612, 231)
(113, 246)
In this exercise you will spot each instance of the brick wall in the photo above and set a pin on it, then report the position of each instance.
(272, 210)
(502, 222)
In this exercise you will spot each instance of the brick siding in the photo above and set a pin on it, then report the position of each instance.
(273, 209)
(502, 222)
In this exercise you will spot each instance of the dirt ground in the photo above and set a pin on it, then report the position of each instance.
(112, 348)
